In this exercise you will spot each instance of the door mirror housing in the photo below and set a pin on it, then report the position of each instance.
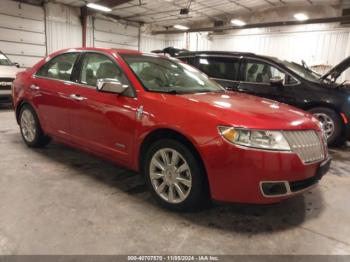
(16, 64)
(110, 85)
(276, 81)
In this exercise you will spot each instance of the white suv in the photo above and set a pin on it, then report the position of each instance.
(8, 71)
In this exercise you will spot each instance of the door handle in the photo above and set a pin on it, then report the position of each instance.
(34, 87)
(77, 97)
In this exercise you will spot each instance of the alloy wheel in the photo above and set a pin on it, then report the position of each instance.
(327, 122)
(170, 175)
(28, 125)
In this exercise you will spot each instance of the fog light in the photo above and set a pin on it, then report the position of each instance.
(274, 188)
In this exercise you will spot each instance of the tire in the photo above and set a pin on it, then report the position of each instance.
(332, 122)
(183, 191)
(31, 131)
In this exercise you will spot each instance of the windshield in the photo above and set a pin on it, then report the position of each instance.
(4, 60)
(302, 71)
(169, 75)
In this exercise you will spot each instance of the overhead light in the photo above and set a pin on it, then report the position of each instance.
(99, 7)
(238, 22)
(301, 17)
(181, 27)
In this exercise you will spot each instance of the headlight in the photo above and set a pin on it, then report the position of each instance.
(263, 139)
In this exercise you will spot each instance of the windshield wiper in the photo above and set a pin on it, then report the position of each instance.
(177, 92)
(171, 91)
(166, 91)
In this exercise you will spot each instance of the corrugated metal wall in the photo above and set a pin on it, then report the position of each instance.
(22, 32)
(315, 44)
(152, 42)
(63, 27)
(115, 35)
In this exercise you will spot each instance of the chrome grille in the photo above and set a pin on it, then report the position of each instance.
(308, 145)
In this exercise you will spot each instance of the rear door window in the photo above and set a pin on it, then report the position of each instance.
(219, 67)
(59, 67)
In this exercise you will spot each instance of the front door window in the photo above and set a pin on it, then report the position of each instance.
(97, 66)
(260, 72)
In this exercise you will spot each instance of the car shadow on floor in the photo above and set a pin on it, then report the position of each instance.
(240, 218)
(341, 161)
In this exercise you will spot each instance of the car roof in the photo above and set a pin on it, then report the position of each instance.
(224, 53)
(107, 50)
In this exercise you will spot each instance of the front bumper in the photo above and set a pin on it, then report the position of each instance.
(237, 174)
(287, 188)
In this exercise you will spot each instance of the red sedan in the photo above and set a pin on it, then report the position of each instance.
(188, 136)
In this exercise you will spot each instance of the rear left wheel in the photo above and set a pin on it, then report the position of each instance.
(31, 131)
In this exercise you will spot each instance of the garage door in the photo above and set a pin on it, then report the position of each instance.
(22, 32)
(115, 35)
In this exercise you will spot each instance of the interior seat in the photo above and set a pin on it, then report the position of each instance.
(251, 77)
(265, 75)
(107, 70)
(90, 78)
(64, 70)
(152, 77)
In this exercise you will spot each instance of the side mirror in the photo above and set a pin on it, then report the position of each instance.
(110, 85)
(16, 64)
(276, 81)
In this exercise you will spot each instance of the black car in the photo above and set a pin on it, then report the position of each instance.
(284, 81)
(171, 51)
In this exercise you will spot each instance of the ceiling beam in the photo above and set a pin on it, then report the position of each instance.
(241, 5)
(269, 2)
(260, 25)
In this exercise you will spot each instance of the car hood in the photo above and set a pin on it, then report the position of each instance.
(9, 71)
(241, 110)
(336, 71)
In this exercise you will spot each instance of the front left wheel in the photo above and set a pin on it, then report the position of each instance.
(174, 176)
(31, 131)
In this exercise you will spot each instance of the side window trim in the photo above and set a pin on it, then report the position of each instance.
(77, 68)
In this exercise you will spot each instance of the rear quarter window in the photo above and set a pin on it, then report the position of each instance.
(59, 67)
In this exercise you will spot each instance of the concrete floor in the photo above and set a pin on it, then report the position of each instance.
(61, 201)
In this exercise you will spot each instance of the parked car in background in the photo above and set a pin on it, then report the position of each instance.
(283, 81)
(8, 71)
(188, 136)
(170, 51)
